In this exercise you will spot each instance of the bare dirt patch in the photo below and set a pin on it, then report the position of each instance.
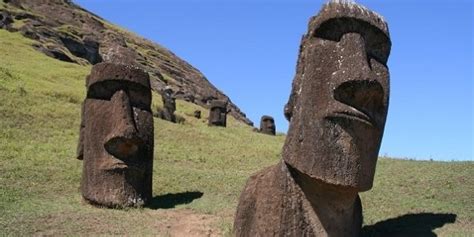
(101, 221)
(183, 223)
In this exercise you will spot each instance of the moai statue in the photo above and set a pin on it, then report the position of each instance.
(267, 125)
(337, 112)
(116, 137)
(169, 105)
(218, 113)
(197, 114)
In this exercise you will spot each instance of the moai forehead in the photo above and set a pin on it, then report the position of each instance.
(267, 118)
(218, 104)
(339, 99)
(105, 72)
(340, 11)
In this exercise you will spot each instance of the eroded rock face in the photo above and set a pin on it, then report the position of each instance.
(218, 113)
(116, 137)
(337, 111)
(267, 125)
(5, 20)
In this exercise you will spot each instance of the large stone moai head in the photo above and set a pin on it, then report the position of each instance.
(339, 100)
(267, 125)
(218, 113)
(116, 142)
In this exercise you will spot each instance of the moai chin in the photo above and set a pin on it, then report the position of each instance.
(116, 137)
(337, 111)
(169, 105)
(267, 125)
(218, 113)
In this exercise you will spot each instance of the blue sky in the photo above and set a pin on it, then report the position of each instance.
(248, 49)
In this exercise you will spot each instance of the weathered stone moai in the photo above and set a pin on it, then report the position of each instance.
(337, 111)
(218, 113)
(197, 114)
(267, 125)
(116, 137)
(169, 105)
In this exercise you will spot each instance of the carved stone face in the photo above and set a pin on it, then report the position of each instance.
(267, 125)
(339, 100)
(218, 113)
(117, 137)
(168, 101)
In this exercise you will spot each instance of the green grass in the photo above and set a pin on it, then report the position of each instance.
(39, 176)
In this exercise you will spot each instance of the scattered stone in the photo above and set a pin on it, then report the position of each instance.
(197, 114)
(218, 113)
(337, 111)
(116, 137)
(267, 125)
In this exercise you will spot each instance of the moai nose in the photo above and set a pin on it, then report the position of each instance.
(356, 84)
(123, 142)
(353, 55)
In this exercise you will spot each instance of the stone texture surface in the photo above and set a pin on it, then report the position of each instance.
(5, 20)
(67, 32)
(267, 125)
(116, 137)
(218, 113)
(337, 111)
(280, 202)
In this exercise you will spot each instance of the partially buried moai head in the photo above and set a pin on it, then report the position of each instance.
(116, 142)
(339, 100)
(168, 101)
(267, 125)
(218, 113)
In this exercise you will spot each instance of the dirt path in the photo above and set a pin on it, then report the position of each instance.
(185, 223)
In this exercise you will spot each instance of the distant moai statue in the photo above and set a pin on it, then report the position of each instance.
(337, 111)
(169, 105)
(197, 114)
(267, 125)
(218, 113)
(116, 137)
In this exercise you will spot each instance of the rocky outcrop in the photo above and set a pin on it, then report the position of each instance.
(67, 32)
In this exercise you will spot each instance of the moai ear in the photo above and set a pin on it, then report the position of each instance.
(80, 145)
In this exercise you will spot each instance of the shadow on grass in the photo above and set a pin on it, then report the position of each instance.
(171, 200)
(409, 225)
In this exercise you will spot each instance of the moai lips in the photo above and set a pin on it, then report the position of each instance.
(267, 125)
(116, 137)
(337, 111)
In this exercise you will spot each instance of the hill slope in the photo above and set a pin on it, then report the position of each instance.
(199, 171)
(65, 31)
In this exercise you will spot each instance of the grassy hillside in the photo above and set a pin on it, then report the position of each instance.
(199, 171)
